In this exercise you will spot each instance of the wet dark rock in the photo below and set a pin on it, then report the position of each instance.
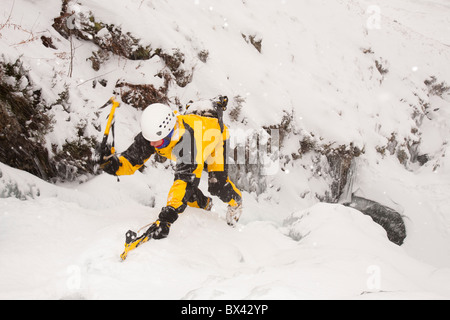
(388, 218)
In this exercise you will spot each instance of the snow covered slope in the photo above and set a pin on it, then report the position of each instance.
(65, 244)
(367, 74)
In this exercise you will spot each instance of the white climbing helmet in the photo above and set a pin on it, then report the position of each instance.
(157, 121)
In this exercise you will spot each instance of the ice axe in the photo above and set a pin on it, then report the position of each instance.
(132, 240)
(103, 151)
(220, 106)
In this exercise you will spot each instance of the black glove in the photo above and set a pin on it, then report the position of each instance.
(111, 165)
(222, 102)
(167, 216)
(162, 229)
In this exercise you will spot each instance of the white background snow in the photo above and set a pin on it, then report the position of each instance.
(63, 241)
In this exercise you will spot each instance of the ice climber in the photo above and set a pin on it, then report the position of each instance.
(195, 142)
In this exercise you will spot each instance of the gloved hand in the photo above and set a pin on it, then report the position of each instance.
(222, 102)
(167, 216)
(162, 229)
(111, 165)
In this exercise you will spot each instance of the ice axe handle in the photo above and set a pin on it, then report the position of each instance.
(115, 105)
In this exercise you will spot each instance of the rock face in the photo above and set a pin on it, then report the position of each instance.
(388, 218)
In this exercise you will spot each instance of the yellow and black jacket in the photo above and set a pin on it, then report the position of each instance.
(197, 143)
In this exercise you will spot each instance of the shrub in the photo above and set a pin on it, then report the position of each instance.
(23, 122)
(435, 88)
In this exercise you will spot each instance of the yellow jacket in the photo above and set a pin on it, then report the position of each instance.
(197, 141)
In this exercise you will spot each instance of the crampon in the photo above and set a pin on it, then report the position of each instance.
(132, 240)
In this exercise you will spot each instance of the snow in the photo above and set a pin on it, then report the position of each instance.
(66, 243)
(63, 241)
